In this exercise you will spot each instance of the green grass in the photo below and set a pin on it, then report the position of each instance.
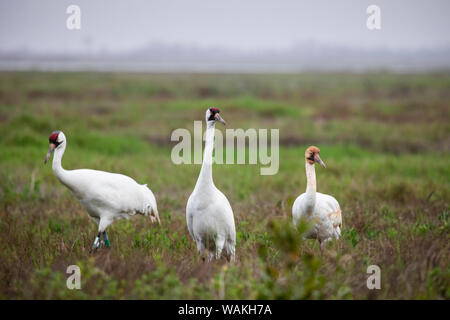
(384, 138)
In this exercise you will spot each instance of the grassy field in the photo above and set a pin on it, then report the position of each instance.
(385, 139)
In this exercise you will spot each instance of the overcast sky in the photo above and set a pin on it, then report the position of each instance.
(40, 25)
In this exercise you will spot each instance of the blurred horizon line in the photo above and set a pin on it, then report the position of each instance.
(174, 57)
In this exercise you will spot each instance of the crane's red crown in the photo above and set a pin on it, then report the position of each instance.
(54, 137)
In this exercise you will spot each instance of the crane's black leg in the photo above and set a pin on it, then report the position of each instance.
(106, 239)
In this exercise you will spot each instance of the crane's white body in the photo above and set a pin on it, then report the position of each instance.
(209, 215)
(105, 196)
(321, 209)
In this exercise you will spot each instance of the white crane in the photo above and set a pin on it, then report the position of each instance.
(105, 196)
(209, 215)
(321, 209)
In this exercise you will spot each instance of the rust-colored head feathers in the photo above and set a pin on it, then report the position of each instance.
(312, 155)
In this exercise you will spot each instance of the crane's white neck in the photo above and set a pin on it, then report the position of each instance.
(205, 179)
(310, 186)
(58, 170)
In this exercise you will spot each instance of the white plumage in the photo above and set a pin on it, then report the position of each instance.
(105, 196)
(209, 215)
(321, 209)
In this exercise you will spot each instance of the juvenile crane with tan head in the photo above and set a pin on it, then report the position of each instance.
(105, 196)
(320, 209)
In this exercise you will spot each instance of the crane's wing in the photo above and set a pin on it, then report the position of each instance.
(331, 211)
(113, 193)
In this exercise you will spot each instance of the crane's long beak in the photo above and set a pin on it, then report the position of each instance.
(319, 161)
(219, 118)
(50, 151)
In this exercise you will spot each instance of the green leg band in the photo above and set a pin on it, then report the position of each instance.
(106, 239)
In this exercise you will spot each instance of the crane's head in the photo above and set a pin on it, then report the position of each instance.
(312, 156)
(212, 114)
(56, 139)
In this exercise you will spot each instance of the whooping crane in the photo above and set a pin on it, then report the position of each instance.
(209, 215)
(321, 209)
(105, 196)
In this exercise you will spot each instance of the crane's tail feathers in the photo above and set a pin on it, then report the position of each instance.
(152, 208)
(154, 216)
(229, 249)
(152, 213)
